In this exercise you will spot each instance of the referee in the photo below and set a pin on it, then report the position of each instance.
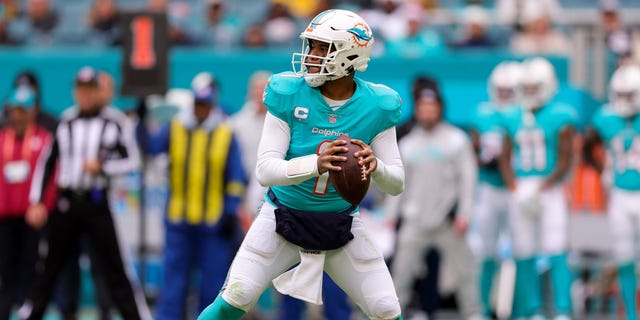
(92, 143)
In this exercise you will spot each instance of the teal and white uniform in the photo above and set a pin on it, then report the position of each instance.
(490, 219)
(622, 139)
(298, 121)
(535, 140)
(372, 109)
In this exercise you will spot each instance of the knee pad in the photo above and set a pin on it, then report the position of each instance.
(241, 293)
(385, 308)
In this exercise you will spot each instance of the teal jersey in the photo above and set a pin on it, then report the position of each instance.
(535, 137)
(372, 109)
(487, 122)
(622, 138)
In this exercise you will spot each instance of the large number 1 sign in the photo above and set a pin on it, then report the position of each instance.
(142, 55)
(145, 55)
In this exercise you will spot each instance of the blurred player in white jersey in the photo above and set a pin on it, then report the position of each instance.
(617, 126)
(538, 145)
(492, 197)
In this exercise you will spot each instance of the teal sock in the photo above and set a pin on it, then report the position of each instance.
(627, 276)
(487, 273)
(527, 298)
(221, 310)
(561, 279)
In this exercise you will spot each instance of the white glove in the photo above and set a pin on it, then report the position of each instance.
(490, 147)
(527, 197)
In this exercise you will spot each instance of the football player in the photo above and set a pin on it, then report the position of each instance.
(617, 126)
(539, 138)
(492, 197)
(307, 111)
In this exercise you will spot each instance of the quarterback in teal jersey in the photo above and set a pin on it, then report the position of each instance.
(491, 205)
(617, 126)
(303, 219)
(538, 145)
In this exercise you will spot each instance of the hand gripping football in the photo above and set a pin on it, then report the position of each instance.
(351, 182)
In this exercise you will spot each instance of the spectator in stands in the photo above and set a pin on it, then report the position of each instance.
(473, 29)
(8, 10)
(254, 37)
(280, 27)
(538, 36)
(103, 20)
(22, 141)
(510, 12)
(388, 18)
(223, 29)
(302, 9)
(29, 78)
(207, 182)
(436, 207)
(418, 42)
(619, 41)
(178, 15)
(38, 25)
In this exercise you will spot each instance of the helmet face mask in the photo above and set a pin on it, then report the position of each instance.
(349, 41)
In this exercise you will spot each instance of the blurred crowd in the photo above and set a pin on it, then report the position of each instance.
(408, 28)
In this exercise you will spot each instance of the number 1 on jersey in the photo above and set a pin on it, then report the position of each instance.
(322, 182)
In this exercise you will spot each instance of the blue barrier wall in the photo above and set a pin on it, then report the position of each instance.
(462, 75)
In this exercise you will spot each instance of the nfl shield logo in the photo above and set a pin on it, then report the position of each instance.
(333, 118)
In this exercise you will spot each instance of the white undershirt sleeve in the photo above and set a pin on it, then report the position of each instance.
(389, 174)
(271, 168)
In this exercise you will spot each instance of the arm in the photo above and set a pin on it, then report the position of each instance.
(389, 171)
(468, 172)
(504, 164)
(43, 172)
(475, 142)
(592, 141)
(564, 158)
(235, 179)
(36, 214)
(157, 142)
(271, 168)
(128, 150)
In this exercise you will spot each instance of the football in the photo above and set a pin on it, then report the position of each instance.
(351, 182)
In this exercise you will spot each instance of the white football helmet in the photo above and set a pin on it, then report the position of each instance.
(539, 83)
(505, 83)
(624, 90)
(350, 41)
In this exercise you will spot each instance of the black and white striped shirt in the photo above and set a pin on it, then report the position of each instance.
(107, 136)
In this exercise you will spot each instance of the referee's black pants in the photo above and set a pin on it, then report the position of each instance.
(76, 216)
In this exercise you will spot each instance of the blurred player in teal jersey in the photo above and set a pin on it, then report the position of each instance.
(539, 138)
(307, 111)
(492, 201)
(617, 126)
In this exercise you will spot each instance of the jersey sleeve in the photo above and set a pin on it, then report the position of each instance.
(567, 116)
(279, 89)
(389, 104)
(599, 123)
